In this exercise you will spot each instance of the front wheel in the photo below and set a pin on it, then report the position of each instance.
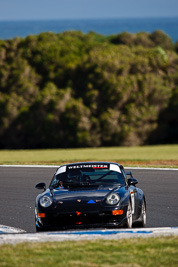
(143, 215)
(40, 230)
(129, 216)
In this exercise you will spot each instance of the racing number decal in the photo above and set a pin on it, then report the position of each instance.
(133, 201)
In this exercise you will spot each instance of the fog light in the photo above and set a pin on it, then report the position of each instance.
(117, 212)
(41, 215)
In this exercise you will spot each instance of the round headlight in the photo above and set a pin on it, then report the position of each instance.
(112, 199)
(45, 201)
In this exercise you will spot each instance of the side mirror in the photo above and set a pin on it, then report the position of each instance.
(132, 181)
(41, 186)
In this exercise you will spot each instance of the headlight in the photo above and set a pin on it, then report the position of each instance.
(112, 199)
(45, 201)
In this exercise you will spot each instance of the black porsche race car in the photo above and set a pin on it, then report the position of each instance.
(90, 194)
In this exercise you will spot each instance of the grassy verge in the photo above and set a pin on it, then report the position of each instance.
(159, 156)
(160, 251)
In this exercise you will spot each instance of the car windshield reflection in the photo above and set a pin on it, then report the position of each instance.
(87, 178)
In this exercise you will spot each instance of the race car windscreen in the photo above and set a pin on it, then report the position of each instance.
(88, 176)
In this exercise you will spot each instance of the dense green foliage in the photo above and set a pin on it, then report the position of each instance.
(75, 90)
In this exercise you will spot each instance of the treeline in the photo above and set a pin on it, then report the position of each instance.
(77, 90)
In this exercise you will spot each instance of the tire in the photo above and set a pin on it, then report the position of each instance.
(38, 229)
(143, 215)
(129, 216)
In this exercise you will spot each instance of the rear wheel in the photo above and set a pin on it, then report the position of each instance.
(129, 216)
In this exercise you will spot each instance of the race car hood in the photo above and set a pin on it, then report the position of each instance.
(82, 194)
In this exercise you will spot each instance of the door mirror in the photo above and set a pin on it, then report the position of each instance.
(41, 186)
(132, 181)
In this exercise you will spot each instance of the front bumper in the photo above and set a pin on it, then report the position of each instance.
(86, 219)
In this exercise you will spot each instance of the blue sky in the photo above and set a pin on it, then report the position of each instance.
(61, 9)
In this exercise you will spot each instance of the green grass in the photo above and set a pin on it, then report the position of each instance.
(160, 251)
(160, 155)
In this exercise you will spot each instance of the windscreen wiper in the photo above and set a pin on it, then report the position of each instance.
(103, 176)
(79, 184)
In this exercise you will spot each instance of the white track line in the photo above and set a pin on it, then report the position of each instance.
(56, 166)
(31, 166)
(10, 230)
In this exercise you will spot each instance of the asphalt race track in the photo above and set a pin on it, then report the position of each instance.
(17, 195)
